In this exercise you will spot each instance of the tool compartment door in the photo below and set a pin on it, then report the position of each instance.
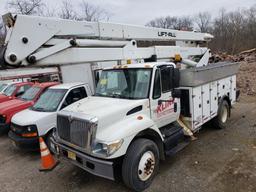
(224, 87)
(233, 89)
(197, 107)
(213, 99)
(206, 102)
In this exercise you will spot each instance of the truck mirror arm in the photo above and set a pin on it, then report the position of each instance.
(176, 93)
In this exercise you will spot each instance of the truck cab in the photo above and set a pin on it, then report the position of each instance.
(130, 100)
(42, 115)
(9, 108)
(14, 90)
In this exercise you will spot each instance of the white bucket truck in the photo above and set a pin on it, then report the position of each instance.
(144, 108)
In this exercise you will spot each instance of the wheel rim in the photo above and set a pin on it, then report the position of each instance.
(224, 114)
(146, 166)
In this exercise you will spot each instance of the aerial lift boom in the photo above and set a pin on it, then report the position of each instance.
(44, 41)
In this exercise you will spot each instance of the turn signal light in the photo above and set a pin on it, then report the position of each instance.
(29, 134)
(139, 117)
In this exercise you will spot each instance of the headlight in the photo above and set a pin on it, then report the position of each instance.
(2, 118)
(29, 131)
(107, 149)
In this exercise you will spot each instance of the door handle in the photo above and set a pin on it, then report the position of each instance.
(175, 107)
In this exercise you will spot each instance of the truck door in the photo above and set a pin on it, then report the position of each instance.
(74, 95)
(164, 108)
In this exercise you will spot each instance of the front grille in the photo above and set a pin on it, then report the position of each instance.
(2, 119)
(74, 131)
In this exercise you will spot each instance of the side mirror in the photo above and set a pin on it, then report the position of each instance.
(176, 93)
(176, 78)
(19, 94)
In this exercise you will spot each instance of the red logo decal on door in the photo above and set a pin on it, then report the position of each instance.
(164, 108)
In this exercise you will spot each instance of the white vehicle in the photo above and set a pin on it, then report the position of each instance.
(4, 85)
(143, 108)
(30, 74)
(40, 120)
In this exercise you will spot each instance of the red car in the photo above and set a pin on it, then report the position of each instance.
(14, 90)
(10, 108)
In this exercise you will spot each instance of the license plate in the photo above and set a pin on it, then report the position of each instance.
(71, 155)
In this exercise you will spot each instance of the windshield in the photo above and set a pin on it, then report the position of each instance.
(10, 90)
(124, 83)
(2, 86)
(30, 94)
(50, 100)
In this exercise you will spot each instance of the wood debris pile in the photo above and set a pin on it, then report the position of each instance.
(246, 78)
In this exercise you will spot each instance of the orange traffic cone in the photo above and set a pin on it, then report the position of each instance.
(47, 161)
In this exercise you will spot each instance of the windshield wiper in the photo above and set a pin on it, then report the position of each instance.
(121, 96)
(98, 94)
(38, 109)
(117, 96)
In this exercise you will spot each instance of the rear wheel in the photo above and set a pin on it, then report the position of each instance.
(220, 121)
(140, 164)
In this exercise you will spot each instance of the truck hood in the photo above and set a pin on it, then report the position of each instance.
(14, 105)
(4, 98)
(107, 110)
(43, 120)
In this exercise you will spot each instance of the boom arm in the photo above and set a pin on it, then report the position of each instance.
(49, 41)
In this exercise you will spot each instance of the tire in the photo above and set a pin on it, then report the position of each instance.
(141, 153)
(220, 121)
(48, 142)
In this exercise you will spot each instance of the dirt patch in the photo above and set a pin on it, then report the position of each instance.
(246, 78)
(239, 174)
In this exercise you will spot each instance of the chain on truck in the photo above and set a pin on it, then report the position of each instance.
(144, 109)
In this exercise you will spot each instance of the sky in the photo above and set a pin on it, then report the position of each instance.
(142, 11)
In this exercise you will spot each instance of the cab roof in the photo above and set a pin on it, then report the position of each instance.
(141, 65)
(22, 83)
(10, 83)
(46, 84)
(67, 85)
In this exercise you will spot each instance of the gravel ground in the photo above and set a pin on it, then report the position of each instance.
(220, 160)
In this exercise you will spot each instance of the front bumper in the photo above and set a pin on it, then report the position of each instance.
(4, 127)
(25, 143)
(95, 166)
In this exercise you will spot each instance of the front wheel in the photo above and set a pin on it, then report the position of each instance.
(140, 164)
(49, 143)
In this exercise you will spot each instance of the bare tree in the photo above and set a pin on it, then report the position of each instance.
(164, 22)
(50, 12)
(26, 7)
(91, 12)
(185, 23)
(203, 21)
(182, 23)
(86, 12)
(250, 29)
(67, 11)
